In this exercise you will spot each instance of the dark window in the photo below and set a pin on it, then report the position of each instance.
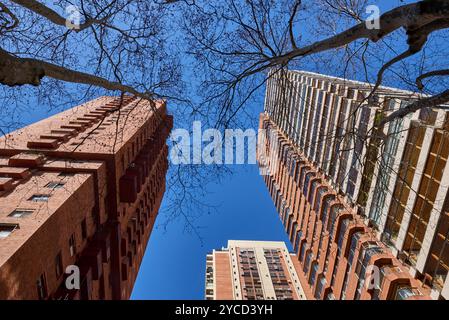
(58, 265)
(42, 287)
(313, 274)
(40, 198)
(306, 183)
(302, 251)
(298, 238)
(66, 174)
(354, 242)
(20, 213)
(6, 229)
(319, 195)
(325, 208)
(343, 228)
(312, 191)
(308, 261)
(55, 185)
(72, 245)
(320, 287)
(84, 229)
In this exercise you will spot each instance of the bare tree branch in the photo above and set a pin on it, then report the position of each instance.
(428, 102)
(419, 80)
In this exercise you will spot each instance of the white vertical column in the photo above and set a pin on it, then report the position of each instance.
(304, 110)
(236, 287)
(370, 125)
(320, 120)
(343, 133)
(332, 129)
(445, 291)
(351, 146)
(393, 172)
(295, 108)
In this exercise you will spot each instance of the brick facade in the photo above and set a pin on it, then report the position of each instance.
(81, 188)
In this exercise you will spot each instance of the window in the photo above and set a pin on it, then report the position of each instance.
(403, 293)
(40, 198)
(312, 190)
(345, 281)
(325, 208)
(320, 287)
(330, 296)
(313, 274)
(335, 210)
(293, 167)
(84, 229)
(6, 229)
(20, 213)
(42, 287)
(58, 264)
(306, 183)
(302, 251)
(319, 195)
(55, 185)
(72, 245)
(354, 242)
(66, 174)
(362, 264)
(343, 228)
(301, 176)
(386, 163)
(307, 263)
(297, 239)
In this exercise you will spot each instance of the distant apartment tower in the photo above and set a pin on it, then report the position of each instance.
(252, 270)
(81, 189)
(352, 196)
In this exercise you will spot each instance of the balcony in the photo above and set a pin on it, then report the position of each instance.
(43, 144)
(129, 187)
(6, 184)
(93, 257)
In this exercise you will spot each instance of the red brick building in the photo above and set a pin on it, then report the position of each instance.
(253, 270)
(81, 188)
(353, 202)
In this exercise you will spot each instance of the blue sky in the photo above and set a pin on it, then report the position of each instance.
(174, 263)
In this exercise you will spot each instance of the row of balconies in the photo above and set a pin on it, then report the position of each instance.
(91, 263)
(314, 192)
(131, 182)
(66, 131)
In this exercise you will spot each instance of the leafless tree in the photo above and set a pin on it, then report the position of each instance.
(59, 54)
(240, 41)
(227, 47)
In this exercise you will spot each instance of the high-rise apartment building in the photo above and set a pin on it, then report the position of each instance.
(80, 191)
(252, 270)
(358, 199)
